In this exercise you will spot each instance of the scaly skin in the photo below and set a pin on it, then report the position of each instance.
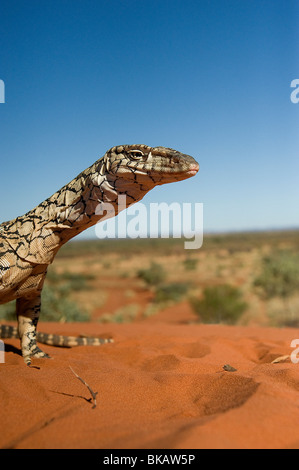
(28, 244)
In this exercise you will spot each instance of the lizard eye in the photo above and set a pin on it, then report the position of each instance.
(136, 154)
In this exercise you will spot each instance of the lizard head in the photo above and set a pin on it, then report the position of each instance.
(149, 166)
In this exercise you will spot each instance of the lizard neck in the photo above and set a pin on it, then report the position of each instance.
(93, 194)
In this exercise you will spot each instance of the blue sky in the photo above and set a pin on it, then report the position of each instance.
(208, 78)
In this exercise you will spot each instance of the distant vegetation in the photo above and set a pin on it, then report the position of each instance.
(190, 263)
(265, 265)
(219, 304)
(171, 292)
(56, 296)
(152, 276)
(125, 314)
(155, 276)
(279, 277)
(56, 302)
(8, 311)
(233, 242)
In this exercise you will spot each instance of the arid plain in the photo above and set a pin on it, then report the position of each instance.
(201, 352)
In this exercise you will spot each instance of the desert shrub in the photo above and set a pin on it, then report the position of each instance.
(8, 311)
(279, 275)
(170, 292)
(71, 281)
(56, 304)
(219, 304)
(190, 264)
(153, 275)
(125, 314)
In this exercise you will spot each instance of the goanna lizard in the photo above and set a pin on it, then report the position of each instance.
(29, 243)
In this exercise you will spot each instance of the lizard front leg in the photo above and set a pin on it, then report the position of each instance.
(28, 313)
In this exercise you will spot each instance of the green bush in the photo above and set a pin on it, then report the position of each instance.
(220, 304)
(71, 281)
(8, 311)
(125, 314)
(56, 304)
(190, 264)
(170, 292)
(152, 276)
(279, 275)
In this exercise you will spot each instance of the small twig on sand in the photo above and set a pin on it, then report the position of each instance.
(280, 359)
(93, 394)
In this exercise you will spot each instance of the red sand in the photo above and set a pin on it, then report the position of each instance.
(159, 385)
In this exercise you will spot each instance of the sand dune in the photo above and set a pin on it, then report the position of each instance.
(159, 385)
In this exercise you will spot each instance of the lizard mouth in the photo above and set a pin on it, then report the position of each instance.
(193, 169)
(181, 175)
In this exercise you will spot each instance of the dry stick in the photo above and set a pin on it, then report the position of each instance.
(93, 394)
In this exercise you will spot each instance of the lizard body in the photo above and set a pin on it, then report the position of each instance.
(29, 243)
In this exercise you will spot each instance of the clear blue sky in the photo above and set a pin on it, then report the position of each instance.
(209, 78)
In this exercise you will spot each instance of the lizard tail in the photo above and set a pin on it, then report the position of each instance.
(70, 341)
(8, 331)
